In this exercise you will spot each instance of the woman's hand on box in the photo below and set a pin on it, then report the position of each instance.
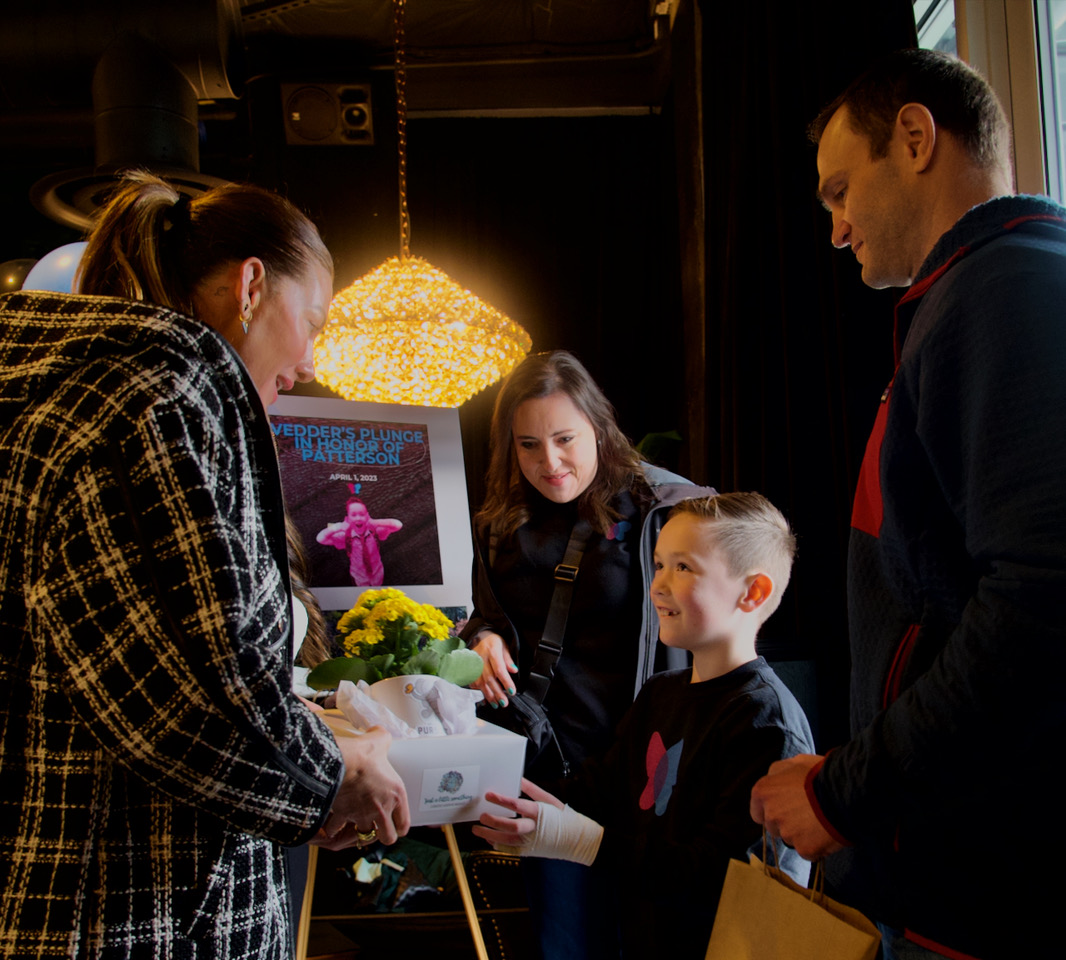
(371, 802)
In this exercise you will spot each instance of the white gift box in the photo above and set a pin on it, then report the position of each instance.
(446, 777)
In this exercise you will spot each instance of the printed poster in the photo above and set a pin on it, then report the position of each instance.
(378, 493)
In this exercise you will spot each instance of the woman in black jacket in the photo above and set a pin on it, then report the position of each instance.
(559, 464)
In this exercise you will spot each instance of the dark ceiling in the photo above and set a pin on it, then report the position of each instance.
(87, 88)
(485, 54)
(463, 54)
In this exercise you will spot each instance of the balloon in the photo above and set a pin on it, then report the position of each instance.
(55, 270)
(13, 273)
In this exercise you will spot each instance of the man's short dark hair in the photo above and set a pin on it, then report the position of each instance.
(958, 97)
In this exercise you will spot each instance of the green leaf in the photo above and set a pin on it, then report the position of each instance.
(410, 634)
(461, 667)
(655, 446)
(425, 661)
(451, 644)
(443, 647)
(328, 675)
(383, 665)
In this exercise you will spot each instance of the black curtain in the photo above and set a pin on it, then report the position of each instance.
(566, 224)
(797, 351)
(768, 359)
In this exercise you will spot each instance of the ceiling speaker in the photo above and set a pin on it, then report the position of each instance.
(328, 114)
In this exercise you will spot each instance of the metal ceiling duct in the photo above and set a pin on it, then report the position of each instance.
(144, 66)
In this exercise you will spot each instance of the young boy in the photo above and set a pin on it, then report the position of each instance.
(672, 794)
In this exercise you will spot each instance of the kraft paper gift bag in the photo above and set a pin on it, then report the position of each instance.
(764, 914)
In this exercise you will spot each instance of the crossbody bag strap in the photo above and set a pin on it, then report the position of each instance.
(550, 647)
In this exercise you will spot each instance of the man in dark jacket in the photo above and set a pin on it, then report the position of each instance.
(957, 562)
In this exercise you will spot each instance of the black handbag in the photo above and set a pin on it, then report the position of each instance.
(526, 714)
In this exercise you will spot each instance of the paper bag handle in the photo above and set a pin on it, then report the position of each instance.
(817, 881)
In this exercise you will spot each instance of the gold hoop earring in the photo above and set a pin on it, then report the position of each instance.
(246, 317)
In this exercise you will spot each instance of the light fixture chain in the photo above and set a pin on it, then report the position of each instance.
(406, 332)
(401, 124)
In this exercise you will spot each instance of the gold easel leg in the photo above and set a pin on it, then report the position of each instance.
(464, 891)
(303, 930)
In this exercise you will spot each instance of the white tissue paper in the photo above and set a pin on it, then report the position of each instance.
(413, 706)
(447, 758)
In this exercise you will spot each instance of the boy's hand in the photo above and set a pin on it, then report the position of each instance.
(544, 827)
(510, 832)
(495, 681)
(515, 831)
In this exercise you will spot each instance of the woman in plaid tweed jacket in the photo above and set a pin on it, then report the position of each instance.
(152, 756)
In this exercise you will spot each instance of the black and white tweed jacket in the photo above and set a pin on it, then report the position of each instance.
(152, 755)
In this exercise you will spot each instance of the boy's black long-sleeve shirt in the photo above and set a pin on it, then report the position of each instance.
(673, 796)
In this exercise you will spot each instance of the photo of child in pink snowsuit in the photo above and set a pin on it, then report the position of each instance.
(358, 534)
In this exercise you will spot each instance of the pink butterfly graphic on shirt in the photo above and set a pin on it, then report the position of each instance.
(661, 765)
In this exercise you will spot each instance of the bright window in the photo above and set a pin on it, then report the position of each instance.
(935, 20)
(1012, 43)
(1051, 57)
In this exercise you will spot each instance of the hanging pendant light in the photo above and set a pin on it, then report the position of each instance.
(406, 332)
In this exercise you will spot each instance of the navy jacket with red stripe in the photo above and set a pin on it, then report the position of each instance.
(956, 582)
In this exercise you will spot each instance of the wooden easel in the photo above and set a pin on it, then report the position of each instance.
(304, 927)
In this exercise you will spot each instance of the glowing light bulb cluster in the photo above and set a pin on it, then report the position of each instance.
(407, 333)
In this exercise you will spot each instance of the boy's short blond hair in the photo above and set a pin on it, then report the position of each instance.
(752, 534)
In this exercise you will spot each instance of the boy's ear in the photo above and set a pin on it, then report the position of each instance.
(759, 590)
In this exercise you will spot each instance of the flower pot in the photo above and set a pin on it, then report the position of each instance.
(406, 697)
